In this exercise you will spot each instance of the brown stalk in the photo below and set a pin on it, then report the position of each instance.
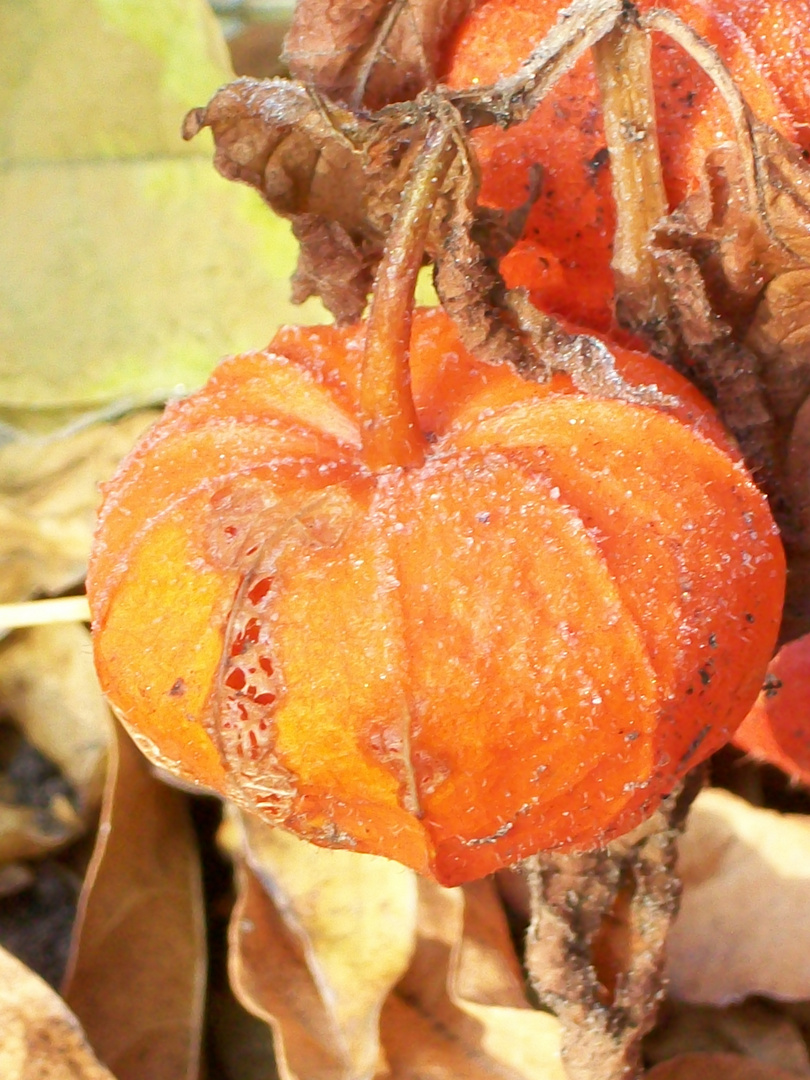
(622, 60)
(391, 432)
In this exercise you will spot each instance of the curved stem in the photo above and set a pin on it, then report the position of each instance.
(390, 427)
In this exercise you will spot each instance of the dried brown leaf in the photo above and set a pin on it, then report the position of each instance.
(744, 925)
(40, 1038)
(318, 939)
(49, 688)
(754, 1029)
(374, 53)
(460, 1010)
(320, 944)
(58, 738)
(716, 1067)
(137, 973)
(48, 501)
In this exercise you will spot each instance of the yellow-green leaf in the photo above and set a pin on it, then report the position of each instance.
(130, 266)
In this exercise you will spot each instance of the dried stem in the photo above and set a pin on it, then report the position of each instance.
(622, 60)
(595, 944)
(62, 609)
(391, 432)
(512, 100)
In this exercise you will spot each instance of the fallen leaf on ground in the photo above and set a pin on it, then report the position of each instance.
(459, 1011)
(40, 1038)
(54, 741)
(48, 501)
(744, 922)
(716, 1067)
(137, 973)
(318, 940)
(48, 686)
(754, 1029)
(129, 267)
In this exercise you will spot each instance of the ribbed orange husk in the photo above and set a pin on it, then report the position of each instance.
(777, 729)
(564, 256)
(522, 644)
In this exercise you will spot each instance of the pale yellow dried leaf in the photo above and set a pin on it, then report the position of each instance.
(744, 923)
(88, 79)
(49, 495)
(354, 919)
(716, 1067)
(270, 978)
(40, 1039)
(459, 1011)
(129, 266)
(28, 832)
(49, 688)
(137, 970)
(50, 693)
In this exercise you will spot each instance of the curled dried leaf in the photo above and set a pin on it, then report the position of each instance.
(136, 976)
(58, 734)
(754, 1029)
(39, 1036)
(743, 918)
(460, 1009)
(48, 501)
(717, 1067)
(340, 927)
(371, 53)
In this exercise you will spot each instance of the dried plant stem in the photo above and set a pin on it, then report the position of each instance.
(43, 612)
(622, 59)
(595, 944)
(391, 432)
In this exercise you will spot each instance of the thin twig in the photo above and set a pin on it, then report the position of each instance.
(62, 609)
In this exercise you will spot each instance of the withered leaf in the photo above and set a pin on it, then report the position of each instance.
(61, 730)
(716, 1067)
(373, 53)
(129, 267)
(449, 999)
(743, 923)
(460, 1009)
(48, 686)
(48, 500)
(40, 1038)
(754, 1029)
(339, 176)
(318, 939)
(136, 978)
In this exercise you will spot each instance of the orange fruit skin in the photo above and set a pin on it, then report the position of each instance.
(777, 729)
(564, 254)
(520, 645)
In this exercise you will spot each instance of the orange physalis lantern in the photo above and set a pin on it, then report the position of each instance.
(398, 599)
